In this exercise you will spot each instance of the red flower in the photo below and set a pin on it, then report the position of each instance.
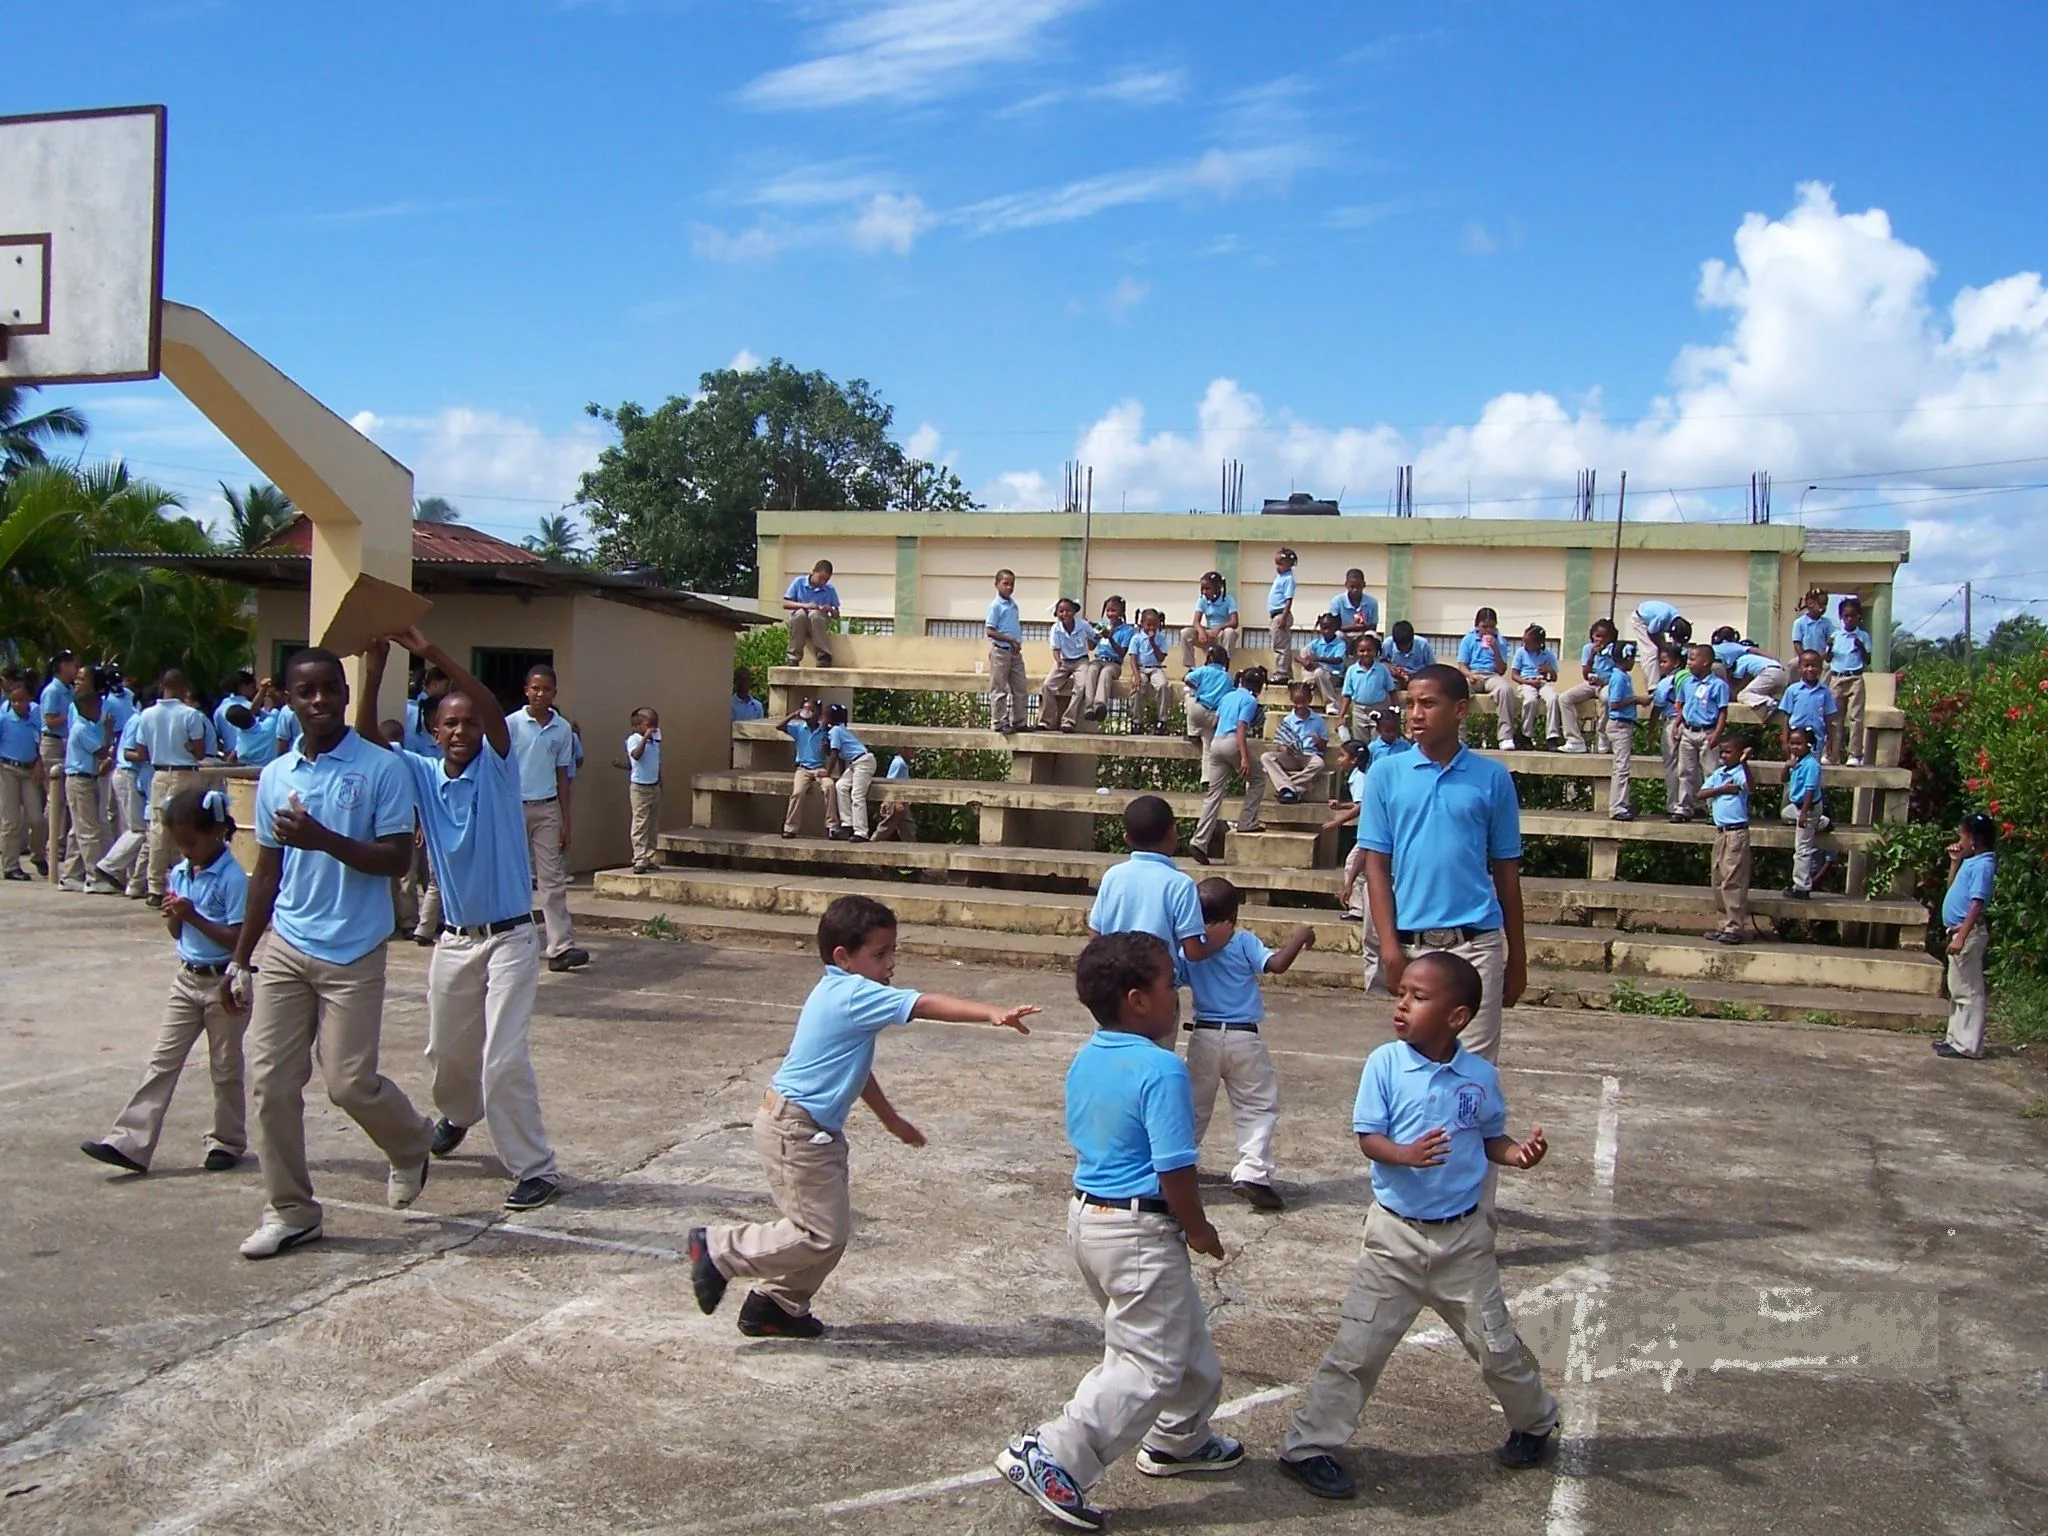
(1993, 807)
(1983, 758)
(2005, 827)
(2043, 684)
(1973, 785)
(2013, 713)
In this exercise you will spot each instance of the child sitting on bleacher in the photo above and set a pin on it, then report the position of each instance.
(1406, 653)
(1596, 667)
(1534, 668)
(1099, 672)
(1215, 622)
(1151, 689)
(1368, 685)
(1296, 756)
(1483, 658)
(1059, 696)
(1323, 661)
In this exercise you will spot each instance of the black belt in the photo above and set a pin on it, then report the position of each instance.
(53, 735)
(1221, 1024)
(1142, 1203)
(1732, 826)
(543, 800)
(214, 968)
(489, 930)
(1430, 1221)
(73, 773)
(18, 763)
(1462, 935)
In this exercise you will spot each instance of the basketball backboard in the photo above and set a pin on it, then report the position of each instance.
(81, 245)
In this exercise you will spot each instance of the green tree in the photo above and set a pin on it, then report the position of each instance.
(435, 509)
(2022, 635)
(680, 488)
(1909, 649)
(557, 540)
(26, 440)
(256, 516)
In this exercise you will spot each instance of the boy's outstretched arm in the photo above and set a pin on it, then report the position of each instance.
(1511, 1153)
(490, 714)
(1302, 938)
(1184, 1200)
(942, 1009)
(872, 1096)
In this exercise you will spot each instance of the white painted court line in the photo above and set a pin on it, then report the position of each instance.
(1571, 1491)
(515, 1228)
(66, 1075)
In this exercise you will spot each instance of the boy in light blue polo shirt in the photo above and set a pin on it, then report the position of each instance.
(86, 786)
(1299, 744)
(1146, 893)
(1207, 687)
(1135, 1217)
(813, 738)
(1229, 752)
(800, 1132)
(643, 787)
(1406, 652)
(1622, 701)
(1848, 660)
(1727, 787)
(545, 745)
(809, 605)
(1357, 610)
(1433, 1120)
(1802, 809)
(744, 705)
(1280, 614)
(21, 799)
(1973, 870)
(1702, 699)
(1323, 660)
(1005, 630)
(1809, 703)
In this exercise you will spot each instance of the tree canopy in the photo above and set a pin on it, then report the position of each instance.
(25, 439)
(679, 490)
(256, 516)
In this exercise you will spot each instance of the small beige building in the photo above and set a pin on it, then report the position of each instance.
(615, 642)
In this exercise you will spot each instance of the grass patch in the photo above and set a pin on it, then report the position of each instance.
(1749, 1012)
(2019, 1006)
(1819, 1016)
(1670, 1003)
(659, 927)
(2035, 1111)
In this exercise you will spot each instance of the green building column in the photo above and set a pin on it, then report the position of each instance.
(1073, 578)
(1578, 597)
(1400, 579)
(909, 620)
(1881, 626)
(768, 584)
(1763, 596)
(1227, 557)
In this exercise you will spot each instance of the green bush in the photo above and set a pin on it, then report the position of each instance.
(758, 650)
(1670, 1003)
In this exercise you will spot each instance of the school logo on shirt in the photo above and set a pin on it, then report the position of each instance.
(1471, 1098)
(350, 791)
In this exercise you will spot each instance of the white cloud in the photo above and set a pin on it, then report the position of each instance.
(923, 443)
(1126, 296)
(744, 361)
(1018, 491)
(891, 221)
(760, 243)
(1477, 241)
(908, 51)
(1834, 367)
(1128, 87)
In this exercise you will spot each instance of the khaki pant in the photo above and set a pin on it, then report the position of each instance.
(1159, 1379)
(1151, 699)
(895, 824)
(21, 814)
(429, 924)
(1668, 733)
(1219, 766)
(1098, 687)
(1059, 696)
(194, 1009)
(480, 996)
(127, 859)
(1806, 857)
(1536, 711)
(1501, 689)
(1451, 1270)
(1289, 769)
(807, 1178)
(1761, 692)
(1201, 724)
(812, 629)
(550, 872)
(163, 849)
(850, 792)
(1845, 728)
(1968, 998)
(1646, 647)
(86, 796)
(1731, 878)
(1191, 657)
(309, 1012)
(57, 817)
(1281, 626)
(1692, 764)
(1621, 741)
(1569, 719)
(801, 783)
(645, 800)
(1238, 1059)
(1006, 687)
(1328, 681)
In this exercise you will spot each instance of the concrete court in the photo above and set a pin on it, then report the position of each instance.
(451, 1370)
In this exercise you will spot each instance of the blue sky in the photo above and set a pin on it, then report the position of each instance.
(1327, 239)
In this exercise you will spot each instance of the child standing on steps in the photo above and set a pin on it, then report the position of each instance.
(1230, 751)
(1207, 687)
(856, 773)
(643, 788)
(1280, 614)
(1224, 1041)
(1848, 660)
(1973, 870)
(1006, 683)
(811, 736)
(1802, 809)
(800, 1132)
(1622, 703)
(203, 907)
(1665, 670)
(1728, 788)
(1702, 700)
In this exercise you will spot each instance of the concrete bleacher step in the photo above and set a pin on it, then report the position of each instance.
(1326, 972)
(1547, 900)
(1674, 957)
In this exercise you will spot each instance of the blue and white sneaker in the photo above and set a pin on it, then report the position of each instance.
(1219, 1454)
(1024, 1462)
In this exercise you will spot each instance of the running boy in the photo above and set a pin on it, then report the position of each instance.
(1135, 1216)
(1006, 685)
(1280, 614)
(1224, 1042)
(1147, 893)
(1431, 1117)
(643, 788)
(1728, 787)
(1972, 871)
(800, 1132)
(1802, 809)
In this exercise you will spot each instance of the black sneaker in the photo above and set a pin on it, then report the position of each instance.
(569, 959)
(220, 1160)
(761, 1318)
(19, 874)
(1198, 853)
(1218, 1454)
(1523, 1450)
(112, 1156)
(706, 1279)
(1260, 1197)
(1793, 893)
(1321, 1476)
(1624, 814)
(154, 900)
(447, 1136)
(532, 1194)
(1941, 1048)
(1290, 797)
(426, 940)
(1680, 818)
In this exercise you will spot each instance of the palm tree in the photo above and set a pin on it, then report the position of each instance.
(435, 509)
(558, 540)
(26, 439)
(257, 515)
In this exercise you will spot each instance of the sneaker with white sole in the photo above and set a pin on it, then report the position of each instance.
(405, 1184)
(76, 887)
(273, 1237)
(100, 885)
(1573, 746)
(1219, 1454)
(1048, 1485)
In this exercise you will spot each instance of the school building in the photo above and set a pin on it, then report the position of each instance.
(916, 585)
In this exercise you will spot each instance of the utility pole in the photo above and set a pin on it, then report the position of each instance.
(1969, 629)
(1614, 583)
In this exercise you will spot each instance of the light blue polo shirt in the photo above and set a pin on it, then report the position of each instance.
(1226, 985)
(1327, 650)
(1443, 828)
(1281, 593)
(83, 739)
(1751, 664)
(1368, 685)
(1215, 612)
(1116, 644)
(1211, 685)
(1240, 707)
(1811, 634)
(1365, 613)
(1726, 652)
(418, 738)
(801, 591)
(1072, 644)
(845, 743)
(168, 726)
(475, 828)
(1656, 616)
(646, 768)
(223, 732)
(540, 750)
(1403, 1095)
(1729, 810)
(1664, 696)
(1530, 664)
(258, 745)
(1355, 779)
(1378, 748)
(810, 738)
(1419, 655)
(1808, 705)
(288, 727)
(1147, 894)
(1804, 781)
(1843, 659)
(898, 768)
(1475, 655)
(131, 737)
(221, 893)
(1003, 619)
(1601, 660)
(1130, 1115)
(1309, 734)
(1150, 650)
(56, 700)
(1620, 687)
(20, 735)
(120, 708)
(1702, 699)
(324, 908)
(1973, 881)
(833, 1049)
(748, 707)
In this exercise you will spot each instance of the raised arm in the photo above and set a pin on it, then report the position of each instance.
(1302, 938)
(490, 713)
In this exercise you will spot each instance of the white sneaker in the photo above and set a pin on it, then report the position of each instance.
(76, 887)
(1855, 762)
(405, 1184)
(1573, 746)
(273, 1237)
(100, 885)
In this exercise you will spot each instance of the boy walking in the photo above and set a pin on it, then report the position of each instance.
(1224, 1042)
(1006, 683)
(1147, 893)
(800, 1132)
(1728, 788)
(1432, 1119)
(544, 744)
(1973, 868)
(1135, 1216)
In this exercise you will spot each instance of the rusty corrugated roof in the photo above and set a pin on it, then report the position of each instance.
(432, 544)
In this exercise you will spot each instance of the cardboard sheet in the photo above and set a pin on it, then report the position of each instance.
(371, 608)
